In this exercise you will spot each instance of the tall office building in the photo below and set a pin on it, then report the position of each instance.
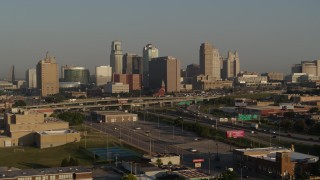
(77, 74)
(116, 57)
(63, 68)
(31, 78)
(12, 74)
(148, 53)
(137, 65)
(192, 70)
(134, 80)
(209, 61)
(103, 75)
(48, 76)
(166, 69)
(231, 65)
(131, 64)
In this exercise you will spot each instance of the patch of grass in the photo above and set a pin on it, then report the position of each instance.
(32, 157)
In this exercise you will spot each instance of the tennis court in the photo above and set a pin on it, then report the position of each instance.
(113, 152)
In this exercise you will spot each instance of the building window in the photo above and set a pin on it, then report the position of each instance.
(52, 177)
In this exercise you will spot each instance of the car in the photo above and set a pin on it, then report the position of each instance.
(274, 136)
(193, 150)
(289, 135)
(197, 139)
(138, 128)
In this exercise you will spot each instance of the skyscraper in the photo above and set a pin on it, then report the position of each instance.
(209, 61)
(148, 53)
(77, 74)
(130, 64)
(166, 69)
(231, 65)
(13, 77)
(116, 57)
(103, 75)
(48, 76)
(31, 78)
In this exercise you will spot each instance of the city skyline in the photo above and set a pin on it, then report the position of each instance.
(269, 36)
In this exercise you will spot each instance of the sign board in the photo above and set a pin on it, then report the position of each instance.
(235, 134)
(197, 160)
(197, 165)
(247, 117)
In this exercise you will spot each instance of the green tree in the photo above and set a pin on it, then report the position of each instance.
(19, 103)
(73, 162)
(73, 118)
(286, 124)
(129, 177)
(229, 175)
(64, 162)
(169, 163)
(159, 162)
(299, 125)
(313, 110)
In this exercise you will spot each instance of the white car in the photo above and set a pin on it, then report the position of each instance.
(193, 150)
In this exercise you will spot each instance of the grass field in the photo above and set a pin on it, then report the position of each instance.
(31, 157)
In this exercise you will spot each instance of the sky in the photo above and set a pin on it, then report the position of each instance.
(269, 35)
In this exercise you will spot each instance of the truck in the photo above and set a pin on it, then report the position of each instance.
(255, 126)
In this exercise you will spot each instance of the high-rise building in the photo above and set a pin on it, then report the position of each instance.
(48, 76)
(231, 65)
(209, 61)
(116, 57)
(166, 69)
(131, 63)
(77, 74)
(64, 68)
(193, 70)
(308, 67)
(137, 65)
(12, 74)
(31, 78)
(134, 80)
(148, 52)
(103, 75)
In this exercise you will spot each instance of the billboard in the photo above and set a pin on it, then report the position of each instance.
(197, 160)
(235, 134)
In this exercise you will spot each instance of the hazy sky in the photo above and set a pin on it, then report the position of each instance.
(270, 35)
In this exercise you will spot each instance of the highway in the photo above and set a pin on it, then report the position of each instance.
(261, 136)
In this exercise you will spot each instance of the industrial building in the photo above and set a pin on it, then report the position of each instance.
(113, 116)
(275, 162)
(32, 128)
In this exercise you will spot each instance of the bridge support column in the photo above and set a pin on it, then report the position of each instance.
(172, 104)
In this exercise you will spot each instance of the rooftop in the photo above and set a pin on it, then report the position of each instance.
(192, 173)
(56, 132)
(45, 171)
(269, 153)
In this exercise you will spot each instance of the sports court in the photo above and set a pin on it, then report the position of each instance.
(113, 153)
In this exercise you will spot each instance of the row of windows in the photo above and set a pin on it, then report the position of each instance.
(53, 177)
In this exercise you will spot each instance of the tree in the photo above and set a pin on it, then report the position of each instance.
(313, 110)
(64, 162)
(229, 175)
(71, 162)
(169, 163)
(286, 124)
(19, 103)
(72, 117)
(129, 177)
(159, 162)
(299, 125)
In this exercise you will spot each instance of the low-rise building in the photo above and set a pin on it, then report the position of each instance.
(117, 88)
(21, 129)
(113, 116)
(76, 173)
(275, 161)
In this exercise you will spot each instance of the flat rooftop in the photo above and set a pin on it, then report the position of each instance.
(269, 153)
(56, 132)
(41, 172)
(114, 113)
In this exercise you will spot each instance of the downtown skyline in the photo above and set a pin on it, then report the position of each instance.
(269, 36)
